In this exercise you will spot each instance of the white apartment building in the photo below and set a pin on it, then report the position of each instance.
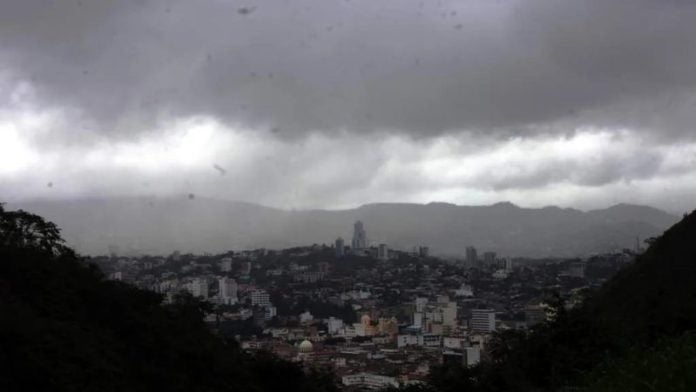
(369, 381)
(482, 320)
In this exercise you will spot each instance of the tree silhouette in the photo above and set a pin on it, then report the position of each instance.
(64, 327)
(22, 229)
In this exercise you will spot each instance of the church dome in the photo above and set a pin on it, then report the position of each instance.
(306, 346)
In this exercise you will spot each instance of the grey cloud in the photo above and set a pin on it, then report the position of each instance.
(592, 172)
(355, 169)
(633, 60)
(503, 68)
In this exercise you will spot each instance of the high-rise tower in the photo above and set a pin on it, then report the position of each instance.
(340, 247)
(471, 255)
(359, 236)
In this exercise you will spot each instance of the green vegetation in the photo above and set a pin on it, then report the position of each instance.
(64, 327)
(635, 334)
(668, 367)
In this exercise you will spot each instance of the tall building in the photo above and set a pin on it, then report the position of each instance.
(359, 236)
(226, 264)
(508, 264)
(383, 252)
(472, 356)
(270, 312)
(423, 251)
(199, 288)
(260, 298)
(387, 326)
(489, 258)
(482, 320)
(449, 314)
(335, 325)
(418, 320)
(340, 247)
(471, 255)
(421, 303)
(227, 290)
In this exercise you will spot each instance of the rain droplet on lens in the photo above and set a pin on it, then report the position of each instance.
(220, 169)
(245, 10)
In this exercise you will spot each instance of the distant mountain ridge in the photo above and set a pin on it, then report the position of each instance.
(162, 225)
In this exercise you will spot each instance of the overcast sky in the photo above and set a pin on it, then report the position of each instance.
(337, 103)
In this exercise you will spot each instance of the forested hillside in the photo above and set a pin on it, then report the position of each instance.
(63, 327)
(635, 334)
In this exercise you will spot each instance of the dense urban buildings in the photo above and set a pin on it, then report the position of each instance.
(376, 316)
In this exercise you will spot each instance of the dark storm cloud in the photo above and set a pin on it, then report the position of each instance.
(406, 66)
(535, 101)
(632, 59)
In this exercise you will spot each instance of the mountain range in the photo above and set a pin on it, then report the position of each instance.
(163, 225)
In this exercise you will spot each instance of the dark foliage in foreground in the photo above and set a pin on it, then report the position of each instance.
(635, 334)
(63, 327)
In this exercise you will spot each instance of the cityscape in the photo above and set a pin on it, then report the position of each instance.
(377, 317)
(347, 196)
